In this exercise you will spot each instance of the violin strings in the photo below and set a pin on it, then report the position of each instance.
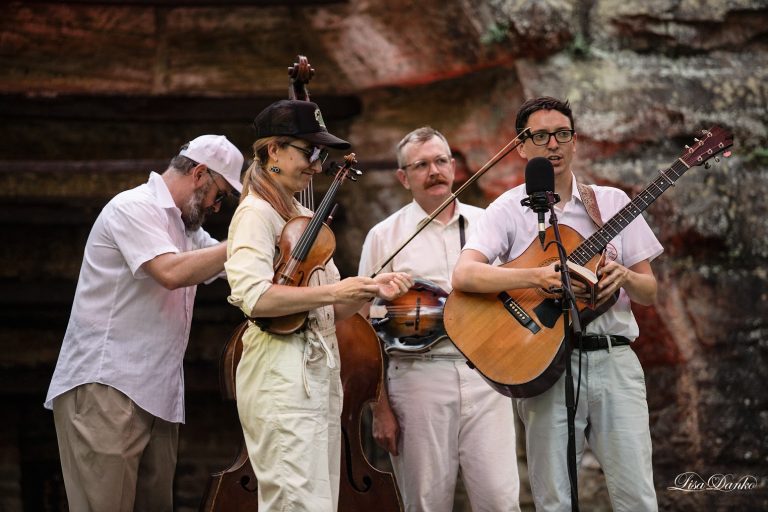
(306, 241)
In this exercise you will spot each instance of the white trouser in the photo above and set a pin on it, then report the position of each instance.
(450, 418)
(612, 414)
(289, 399)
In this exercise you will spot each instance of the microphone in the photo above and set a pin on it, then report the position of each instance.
(540, 186)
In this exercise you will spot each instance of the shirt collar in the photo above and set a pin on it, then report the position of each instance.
(160, 190)
(419, 211)
(575, 189)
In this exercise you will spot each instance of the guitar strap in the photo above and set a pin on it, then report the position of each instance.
(590, 203)
(587, 194)
(462, 236)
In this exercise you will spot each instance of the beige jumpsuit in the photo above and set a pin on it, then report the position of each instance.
(289, 394)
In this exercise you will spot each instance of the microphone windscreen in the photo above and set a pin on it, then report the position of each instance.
(539, 176)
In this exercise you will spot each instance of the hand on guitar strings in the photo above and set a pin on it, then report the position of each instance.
(549, 277)
(612, 278)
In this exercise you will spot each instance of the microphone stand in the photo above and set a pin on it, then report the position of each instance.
(569, 313)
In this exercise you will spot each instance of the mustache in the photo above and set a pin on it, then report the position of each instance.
(437, 180)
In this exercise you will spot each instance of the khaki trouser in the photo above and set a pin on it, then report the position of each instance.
(115, 456)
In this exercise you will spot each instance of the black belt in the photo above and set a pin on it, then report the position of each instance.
(600, 342)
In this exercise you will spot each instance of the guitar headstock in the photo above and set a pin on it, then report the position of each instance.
(713, 142)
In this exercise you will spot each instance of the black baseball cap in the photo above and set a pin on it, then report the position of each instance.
(301, 119)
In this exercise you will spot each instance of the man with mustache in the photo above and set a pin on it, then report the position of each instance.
(437, 416)
(612, 412)
(117, 392)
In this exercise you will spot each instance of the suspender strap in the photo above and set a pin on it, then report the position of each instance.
(590, 203)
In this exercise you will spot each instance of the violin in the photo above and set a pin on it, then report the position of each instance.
(306, 245)
(361, 486)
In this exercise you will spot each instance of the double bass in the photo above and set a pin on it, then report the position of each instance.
(361, 486)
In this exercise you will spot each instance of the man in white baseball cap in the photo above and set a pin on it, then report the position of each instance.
(117, 392)
(219, 155)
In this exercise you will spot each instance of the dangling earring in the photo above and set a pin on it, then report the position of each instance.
(275, 169)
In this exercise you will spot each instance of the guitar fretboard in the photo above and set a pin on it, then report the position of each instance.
(600, 238)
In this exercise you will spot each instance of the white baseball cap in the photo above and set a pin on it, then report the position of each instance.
(219, 155)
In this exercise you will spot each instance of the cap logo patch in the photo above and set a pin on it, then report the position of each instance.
(319, 118)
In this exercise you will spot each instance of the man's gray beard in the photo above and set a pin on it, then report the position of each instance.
(194, 216)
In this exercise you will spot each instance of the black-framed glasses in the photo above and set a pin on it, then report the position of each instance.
(542, 138)
(220, 194)
(313, 153)
(441, 162)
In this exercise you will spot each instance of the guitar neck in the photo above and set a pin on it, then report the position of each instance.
(596, 243)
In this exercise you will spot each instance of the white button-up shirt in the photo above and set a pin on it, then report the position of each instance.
(507, 229)
(126, 330)
(431, 255)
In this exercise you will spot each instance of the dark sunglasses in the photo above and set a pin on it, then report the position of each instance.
(220, 194)
(313, 153)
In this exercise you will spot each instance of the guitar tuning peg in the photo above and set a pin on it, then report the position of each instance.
(687, 146)
(697, 140)
(707, 165)
(717, 159)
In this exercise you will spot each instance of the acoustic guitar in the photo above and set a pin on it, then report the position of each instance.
(515, 338)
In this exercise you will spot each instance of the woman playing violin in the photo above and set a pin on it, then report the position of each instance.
(289, 394)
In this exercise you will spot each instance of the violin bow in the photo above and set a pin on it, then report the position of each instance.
(424, 223)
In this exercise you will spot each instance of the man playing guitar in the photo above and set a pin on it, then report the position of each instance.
(612, 412)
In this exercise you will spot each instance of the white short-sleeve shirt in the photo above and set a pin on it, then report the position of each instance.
(126, 330)
(507, 229)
